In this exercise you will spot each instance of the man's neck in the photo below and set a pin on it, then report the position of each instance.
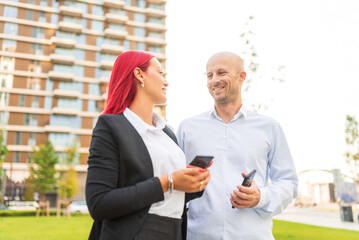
(227, 111)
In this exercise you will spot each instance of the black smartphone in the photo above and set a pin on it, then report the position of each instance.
(201, 161)
(247, 181)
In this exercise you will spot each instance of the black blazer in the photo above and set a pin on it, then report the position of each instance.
(120, 185)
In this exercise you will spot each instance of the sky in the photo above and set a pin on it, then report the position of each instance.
(316, 40)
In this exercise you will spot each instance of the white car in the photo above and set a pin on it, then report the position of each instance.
(23, 205)
(79, 207)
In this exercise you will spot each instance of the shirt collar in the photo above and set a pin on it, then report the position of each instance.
(242, 112)
(143, 127)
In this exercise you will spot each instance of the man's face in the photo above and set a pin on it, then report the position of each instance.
(224, 78)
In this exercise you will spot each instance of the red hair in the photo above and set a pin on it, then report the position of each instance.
(122, 87)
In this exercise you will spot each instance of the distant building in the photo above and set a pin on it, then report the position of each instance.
(55, 64)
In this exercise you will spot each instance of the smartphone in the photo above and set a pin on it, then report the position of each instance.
(201, 161)
(247, 181)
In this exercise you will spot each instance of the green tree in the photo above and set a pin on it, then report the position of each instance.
(352, 141)
(68, 185)
(3, 152)
(42, 169)
(29, 192)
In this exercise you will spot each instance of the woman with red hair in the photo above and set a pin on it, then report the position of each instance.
(137, 181)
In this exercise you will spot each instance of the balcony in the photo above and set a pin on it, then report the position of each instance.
(106, 64)
(66, 93)
(62, 59)
(155, 41)
(112, 49)
(63, 129)
(155, 26)
(155, 12)
(114, 3)
(113, 33)
(71, 11)
(105, 79)
(62, 76)
(63, 42)
(70, 27)
(115, 18)
(65, 111)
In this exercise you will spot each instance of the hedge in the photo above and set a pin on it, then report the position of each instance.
(13, 213)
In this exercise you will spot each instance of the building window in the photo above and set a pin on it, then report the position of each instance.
(156, 35)
(62, 139)
(38, 32)
(64, 51)
(63, 68)
(157, 6)
(35, 65)
(54, 18)
(22, 100)
(94, 89)
(10, 12)
(97, 25)
(78, 70)
(140, 46)
(48, 102)
(80, 54)
(126, 45)
(93, 106)
(42, 17)
(30, 119)
(10, 28)
(140, 17)
(55, 4)
(139, 32)
(35, 102)
(65, 121)
(34, 83)
(16, 157)
(43, 3)
(32, 139)
(156, 20)
(36, 48)
(141, 3)
(128, 3)
(156, 49)
(30, 15)
(97, 10)
(4, 99)
(18, 138)
(8, 45)
(81, 39)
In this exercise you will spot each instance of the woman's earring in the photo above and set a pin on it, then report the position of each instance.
(142, 84)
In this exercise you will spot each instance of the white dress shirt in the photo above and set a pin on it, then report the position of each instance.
(249, 141)
(166, 157)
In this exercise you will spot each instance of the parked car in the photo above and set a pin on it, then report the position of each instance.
(23, 205)
(3, 207)
(79, 207)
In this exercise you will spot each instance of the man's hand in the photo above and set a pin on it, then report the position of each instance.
(245, 197)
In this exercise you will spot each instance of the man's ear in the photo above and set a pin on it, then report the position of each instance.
(242, 76)
(137, 72)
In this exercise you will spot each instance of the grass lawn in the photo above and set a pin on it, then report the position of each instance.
(78, 228)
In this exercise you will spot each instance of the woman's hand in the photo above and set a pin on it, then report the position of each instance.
(191, 180)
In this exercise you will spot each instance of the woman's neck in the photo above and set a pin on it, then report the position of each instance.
(142, 108)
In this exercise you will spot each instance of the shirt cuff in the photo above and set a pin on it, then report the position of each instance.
(263, 198)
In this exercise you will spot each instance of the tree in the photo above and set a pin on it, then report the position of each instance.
(255, 71)
(29, 192)
(352, 141)
(3, 152)
(68, 185)
(42, 169)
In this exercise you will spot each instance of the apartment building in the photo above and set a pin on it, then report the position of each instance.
(56, 58)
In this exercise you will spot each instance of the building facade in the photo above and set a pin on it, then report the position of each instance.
(56, 58)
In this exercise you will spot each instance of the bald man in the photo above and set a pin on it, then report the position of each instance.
(240, 141)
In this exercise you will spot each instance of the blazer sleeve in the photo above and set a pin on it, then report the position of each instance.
(104, 198)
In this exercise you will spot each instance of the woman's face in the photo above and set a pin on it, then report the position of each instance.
(155, 84)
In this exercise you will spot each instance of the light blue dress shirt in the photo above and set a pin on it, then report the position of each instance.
(249, 141)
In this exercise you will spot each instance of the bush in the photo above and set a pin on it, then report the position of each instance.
(14, 213)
